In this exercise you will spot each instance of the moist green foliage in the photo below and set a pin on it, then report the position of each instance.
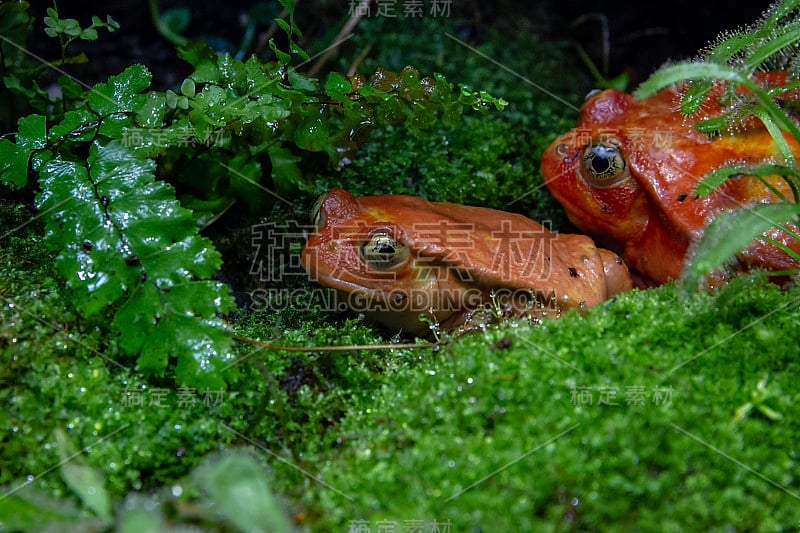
(111, 162)
(122, 236)
(137, 433)
(769, 44)
(67, 30)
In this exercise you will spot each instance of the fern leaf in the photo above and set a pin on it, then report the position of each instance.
(129, 241)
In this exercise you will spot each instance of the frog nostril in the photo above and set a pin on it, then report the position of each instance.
(563, 150)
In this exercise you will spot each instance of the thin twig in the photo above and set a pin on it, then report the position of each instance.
(354, 67)
(352, 22)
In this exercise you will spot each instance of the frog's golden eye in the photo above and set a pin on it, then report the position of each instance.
(603, 164)
(317, 215)
(383, 251)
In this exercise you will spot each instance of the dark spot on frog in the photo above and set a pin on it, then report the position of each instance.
(132, 260)
(573, 272)
(682, 196)
(104, 201)
(88, 245)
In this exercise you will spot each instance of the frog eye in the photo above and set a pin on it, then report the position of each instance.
(383, 251)
(603, 164)
(317, 215)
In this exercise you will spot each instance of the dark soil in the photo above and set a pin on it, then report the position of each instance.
(641, 36)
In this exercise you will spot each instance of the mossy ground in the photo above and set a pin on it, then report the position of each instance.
(632, 416)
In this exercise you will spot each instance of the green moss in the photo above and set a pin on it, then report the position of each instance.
(476, 411)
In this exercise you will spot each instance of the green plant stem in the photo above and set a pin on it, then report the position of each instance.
(163, 29)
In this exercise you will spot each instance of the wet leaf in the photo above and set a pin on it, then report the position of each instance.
(123, 236)
(121, 92)
(337, 86)
(13, 164)
(300, 82)
(238, 487)
(84, 480)
(203, 59)
(312, 133)
(32, 132)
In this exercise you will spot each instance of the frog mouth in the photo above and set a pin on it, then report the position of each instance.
(366, 297)
(343, 285)
(421, 299)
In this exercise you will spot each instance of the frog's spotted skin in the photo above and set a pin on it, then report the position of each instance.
(397, 257)
(628, 173)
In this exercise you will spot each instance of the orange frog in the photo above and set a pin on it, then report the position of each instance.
(628, 173)
(395, 258)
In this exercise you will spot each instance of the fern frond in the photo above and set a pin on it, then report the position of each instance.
(124, 239)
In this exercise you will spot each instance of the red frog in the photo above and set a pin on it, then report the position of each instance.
(396, 257)
(628, 173)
